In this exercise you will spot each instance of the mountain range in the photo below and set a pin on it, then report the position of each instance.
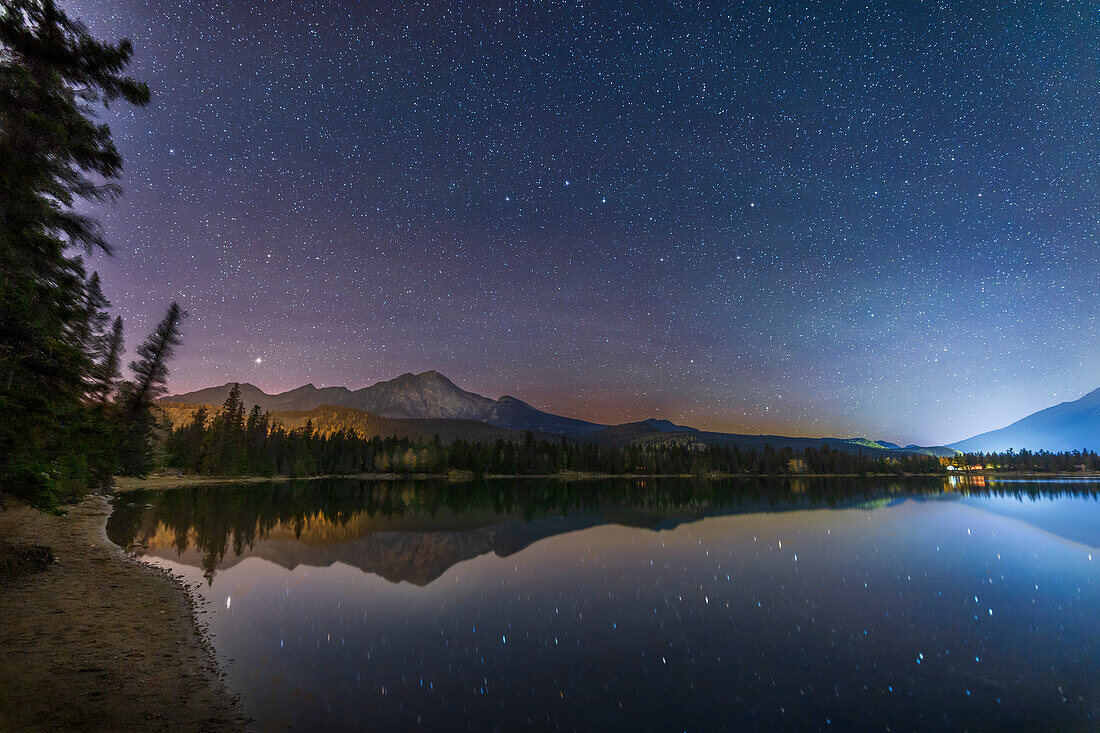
(427, 404)
(422, 405)
(410, 396)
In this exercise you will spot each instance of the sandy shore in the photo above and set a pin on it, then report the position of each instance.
(99, 641)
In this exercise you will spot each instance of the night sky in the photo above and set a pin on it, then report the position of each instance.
(873, 219)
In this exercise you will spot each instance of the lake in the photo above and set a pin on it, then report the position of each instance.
(673, 605)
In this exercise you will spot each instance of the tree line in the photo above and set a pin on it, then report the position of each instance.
(69, 419)
(1027, 461)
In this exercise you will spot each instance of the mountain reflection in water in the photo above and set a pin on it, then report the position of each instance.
(803, 604)
(414, 530)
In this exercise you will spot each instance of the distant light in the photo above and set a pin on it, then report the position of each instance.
(259, 360)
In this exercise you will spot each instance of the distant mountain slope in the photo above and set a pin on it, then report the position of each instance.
(329, 418)
(848, 445)
(624, 434)
(927, 450)
(1064, 427)
(932, 450)
(419, 396)
(661, 433)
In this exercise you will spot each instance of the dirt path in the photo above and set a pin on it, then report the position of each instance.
(98, 641)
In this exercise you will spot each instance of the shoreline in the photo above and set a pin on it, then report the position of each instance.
(100, 641)
(159, 483)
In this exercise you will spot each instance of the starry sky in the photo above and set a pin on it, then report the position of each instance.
(816, 218)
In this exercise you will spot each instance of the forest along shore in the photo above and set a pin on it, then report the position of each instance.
(98, 641)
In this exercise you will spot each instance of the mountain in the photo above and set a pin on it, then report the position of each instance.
(1064, 427)
(516, 414)
(626, 434)
(429, 394)
(409, 396)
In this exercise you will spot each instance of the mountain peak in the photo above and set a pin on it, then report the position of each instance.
(429, 377)
(433, 376)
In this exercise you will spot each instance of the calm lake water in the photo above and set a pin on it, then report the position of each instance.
(643, 605)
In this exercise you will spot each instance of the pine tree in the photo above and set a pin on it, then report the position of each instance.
(138, 400)
(184, 447)
(107, 371)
